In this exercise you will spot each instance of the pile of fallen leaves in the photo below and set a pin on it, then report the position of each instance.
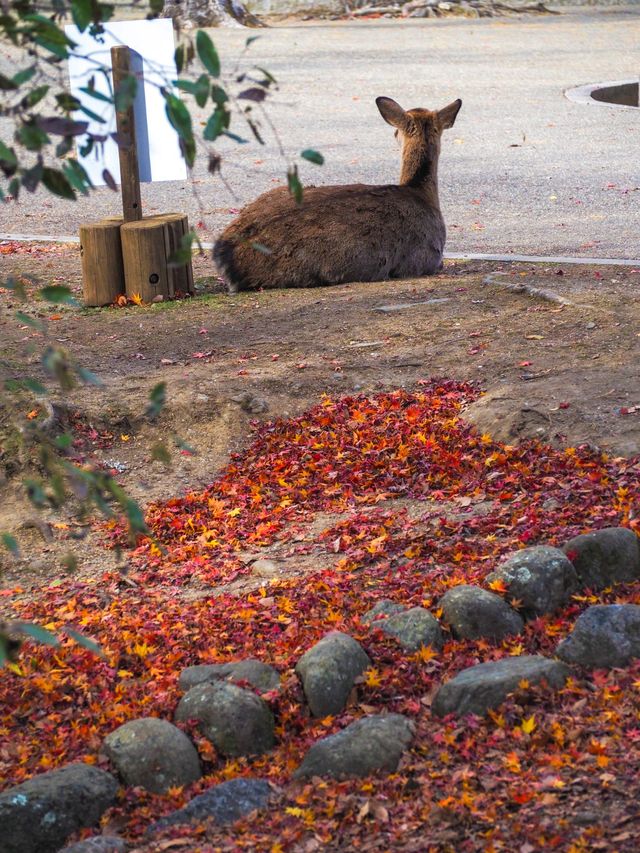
(547, 771)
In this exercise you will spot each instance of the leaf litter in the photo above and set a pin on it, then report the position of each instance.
(545, 771)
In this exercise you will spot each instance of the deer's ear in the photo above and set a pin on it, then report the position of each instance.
(392, 112)
(448, 114)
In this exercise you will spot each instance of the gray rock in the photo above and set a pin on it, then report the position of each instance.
(478, 688)
(152, 754)
(383, 608)
(604, 636)
(473, 612)
(542, 578)
(259, 675)
(39, 815)
(224, 803)
(413, 629)
(99, 844)
(264, 568)
(370, 744)
(236, 721)
(605, 557)
(328, 671)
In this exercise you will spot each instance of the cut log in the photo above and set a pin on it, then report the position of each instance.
(147, 246)
(102, 268)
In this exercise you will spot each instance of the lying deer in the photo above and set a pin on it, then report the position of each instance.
(347, 233)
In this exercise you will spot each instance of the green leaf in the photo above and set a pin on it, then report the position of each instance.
(293, 182)
(135, 516)
(82, 13)
(32, 137)
(34, 97)
(312, 156)
(268, 75)
(68, 102)
(58, 294)
(21, 317)
(180, 58)
(235, 137)
(7, 84)
(24, 76)
(48, 35)
(178, 115)
(202, 90)
(14, 188)
(64, 146)
(7, 155)
(58, 184)
(186, 86)
(77, 176)
(218, 95)
(250, 41)
(10, 543)
(34, 386)
(38, 633)
(207, 53)
(218, 121)
(180, 120)
(83, 641)
(157, 399)
(93, 93)
(125, 93)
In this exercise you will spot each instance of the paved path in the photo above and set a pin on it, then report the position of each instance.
(524, 170)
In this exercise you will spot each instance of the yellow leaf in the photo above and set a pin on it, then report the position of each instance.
(528, 725)
(136, 298)
(372, 677)
(424, 654)
(125, 437)
(142, 650)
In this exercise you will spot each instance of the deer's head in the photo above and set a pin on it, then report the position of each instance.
(418, 127)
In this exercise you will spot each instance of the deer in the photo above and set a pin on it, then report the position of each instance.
(351, 232)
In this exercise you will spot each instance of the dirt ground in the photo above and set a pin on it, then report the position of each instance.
(554, 351)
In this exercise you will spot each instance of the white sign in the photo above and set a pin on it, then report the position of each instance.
(159, 155)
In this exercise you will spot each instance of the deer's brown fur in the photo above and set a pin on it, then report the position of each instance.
(354, 232)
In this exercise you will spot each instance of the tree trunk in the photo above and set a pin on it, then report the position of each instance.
(192, 14)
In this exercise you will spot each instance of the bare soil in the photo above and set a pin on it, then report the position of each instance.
(555, 351)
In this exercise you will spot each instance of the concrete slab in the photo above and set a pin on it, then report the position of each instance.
(523, 171)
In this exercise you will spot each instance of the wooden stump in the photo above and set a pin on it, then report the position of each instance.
(102, 269)
(147, 246)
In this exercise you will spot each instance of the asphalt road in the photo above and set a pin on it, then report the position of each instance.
(524, 170)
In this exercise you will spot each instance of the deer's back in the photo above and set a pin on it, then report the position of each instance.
(337, 234)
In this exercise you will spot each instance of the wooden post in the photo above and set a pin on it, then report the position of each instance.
(147, 245)
(102, 269)
(126, 126)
